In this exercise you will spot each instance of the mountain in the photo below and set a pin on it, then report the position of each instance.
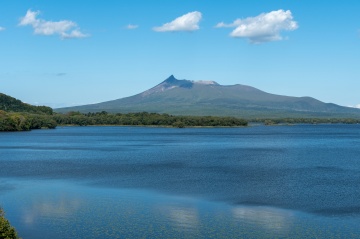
(10, 104)
(184, 97)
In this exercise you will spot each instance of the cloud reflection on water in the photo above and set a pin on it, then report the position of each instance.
(62, 208)
(181, 217)
(272, 219)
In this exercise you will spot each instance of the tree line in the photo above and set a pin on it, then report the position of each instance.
(307, 121)
(15, 121)
(145, 119)
(22, 121)
(18, 121)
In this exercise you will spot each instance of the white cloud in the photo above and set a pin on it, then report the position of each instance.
(73, 34)
(2, 29)
(236, 23)
(131, 26)
(264, 27)
(29, 18)
(187, 22)
(65, 29)
(354, 106)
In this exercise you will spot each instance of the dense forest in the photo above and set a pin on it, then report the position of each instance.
(306, 121)
(10, 104)
(145, 119)
(6, 230)
(22, 121)
(13, 121)
(18, 116)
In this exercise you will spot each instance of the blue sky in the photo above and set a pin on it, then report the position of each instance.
(63, 53)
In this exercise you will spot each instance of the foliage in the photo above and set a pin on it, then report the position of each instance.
(10, 104)
(307, 121)
(24, 121)
(269, 122)
(18, 116)
(145, 119)
(6, 230)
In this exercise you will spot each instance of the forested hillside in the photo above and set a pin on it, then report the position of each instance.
(10, 104)
(18, 116)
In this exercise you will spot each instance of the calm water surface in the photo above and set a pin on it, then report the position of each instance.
(118, 182)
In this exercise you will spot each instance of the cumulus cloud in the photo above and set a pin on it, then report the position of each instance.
(65, 29)
(187, 22)
(131, 27)
(2, 28)
(262, 28)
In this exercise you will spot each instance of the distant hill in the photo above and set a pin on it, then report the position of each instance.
(184, 97)
(10, 104)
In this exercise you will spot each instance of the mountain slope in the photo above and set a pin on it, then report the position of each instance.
(184, 97)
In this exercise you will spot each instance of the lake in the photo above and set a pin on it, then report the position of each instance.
(299, 181)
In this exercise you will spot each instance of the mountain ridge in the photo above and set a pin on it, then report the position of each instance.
(185, 97)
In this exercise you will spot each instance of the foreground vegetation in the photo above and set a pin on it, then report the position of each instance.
(6, 230)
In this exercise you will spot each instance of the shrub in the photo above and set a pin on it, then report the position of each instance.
(6, 230)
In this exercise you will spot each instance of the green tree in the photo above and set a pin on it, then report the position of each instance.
(6, 230)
